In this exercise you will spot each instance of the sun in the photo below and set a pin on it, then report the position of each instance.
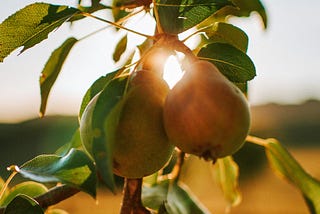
(172, 71)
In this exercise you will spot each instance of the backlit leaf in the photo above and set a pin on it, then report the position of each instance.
(120, 48)
(226, 33)
(52, 70)
(177, 16)
(23, 204)
(29, 188)
(31, 25)
(227, 173)
(75, 169)
(75, 143)
(284, 165)
(231, 62)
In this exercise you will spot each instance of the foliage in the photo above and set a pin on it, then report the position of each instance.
(221, 43)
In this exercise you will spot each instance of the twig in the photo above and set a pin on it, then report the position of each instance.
(131, 203)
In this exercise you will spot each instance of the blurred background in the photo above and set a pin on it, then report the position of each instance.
(284, 98)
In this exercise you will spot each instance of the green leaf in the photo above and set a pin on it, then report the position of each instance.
(23, 204)
(29, 188)
(31, 25)
(94, 89)
(52, 70)
(231, 62)
(284, 164)
(226, 172)
(226, 33)
(244, 8)
(120, 48)
(75, 169)
(171, 197)
(75, 143)
(56, 211)
(177, 16)
(182, 201)
(104, 120)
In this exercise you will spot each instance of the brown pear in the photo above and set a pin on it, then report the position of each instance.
(205, 114)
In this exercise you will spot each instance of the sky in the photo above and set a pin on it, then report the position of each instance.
(286, 56)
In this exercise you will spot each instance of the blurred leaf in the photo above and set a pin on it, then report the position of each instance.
(154, 196)
(75, 143)
(120, 48)
(226, 33)
(29, 188)
(231, 62)
(177, 16)
(104, 119)
(23, 204)
(227, 174)
(2, 185)
(171, 197)
(245, 8)
(284, 164)
(31, 25)
(52, 70)
(75, 169)
(94, 89)
(182, 201)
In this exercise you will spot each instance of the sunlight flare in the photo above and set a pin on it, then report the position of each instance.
(172, 71)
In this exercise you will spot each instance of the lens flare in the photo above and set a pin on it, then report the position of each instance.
(172, 71)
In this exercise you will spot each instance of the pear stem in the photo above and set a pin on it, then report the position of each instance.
(131, 203)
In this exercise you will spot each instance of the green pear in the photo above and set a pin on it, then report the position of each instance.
(205, 114)
(141, 145)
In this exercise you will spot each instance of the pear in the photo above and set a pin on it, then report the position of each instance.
(139, 144)
(205, 114)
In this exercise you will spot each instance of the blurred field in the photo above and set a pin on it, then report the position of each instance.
(263, 193)
(296, 126)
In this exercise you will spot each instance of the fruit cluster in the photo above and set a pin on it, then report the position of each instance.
(203, 114)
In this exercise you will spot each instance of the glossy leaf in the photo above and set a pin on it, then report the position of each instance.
(29, 188)
(94, 89)
(226, 172)
(75, 169)
(284, 164)
(104, 119)
(31, 25)
(120, 48)
(226, 33)
(231, 62)
(177, 16)
(172, 197)
(52, 70)
(23, 204)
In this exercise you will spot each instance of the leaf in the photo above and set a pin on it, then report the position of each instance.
(29, 188)
(284, 164)
(52, 70)
(104, 120)
(244, 8)
(56, 211)
(120, 48)
(226, 33)
(174, 196)
(94, 89)
(23, 204)
(75, 169)
(231, 62)
(31, 25)
(227, 174)
(177, 16)
(75, 143)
